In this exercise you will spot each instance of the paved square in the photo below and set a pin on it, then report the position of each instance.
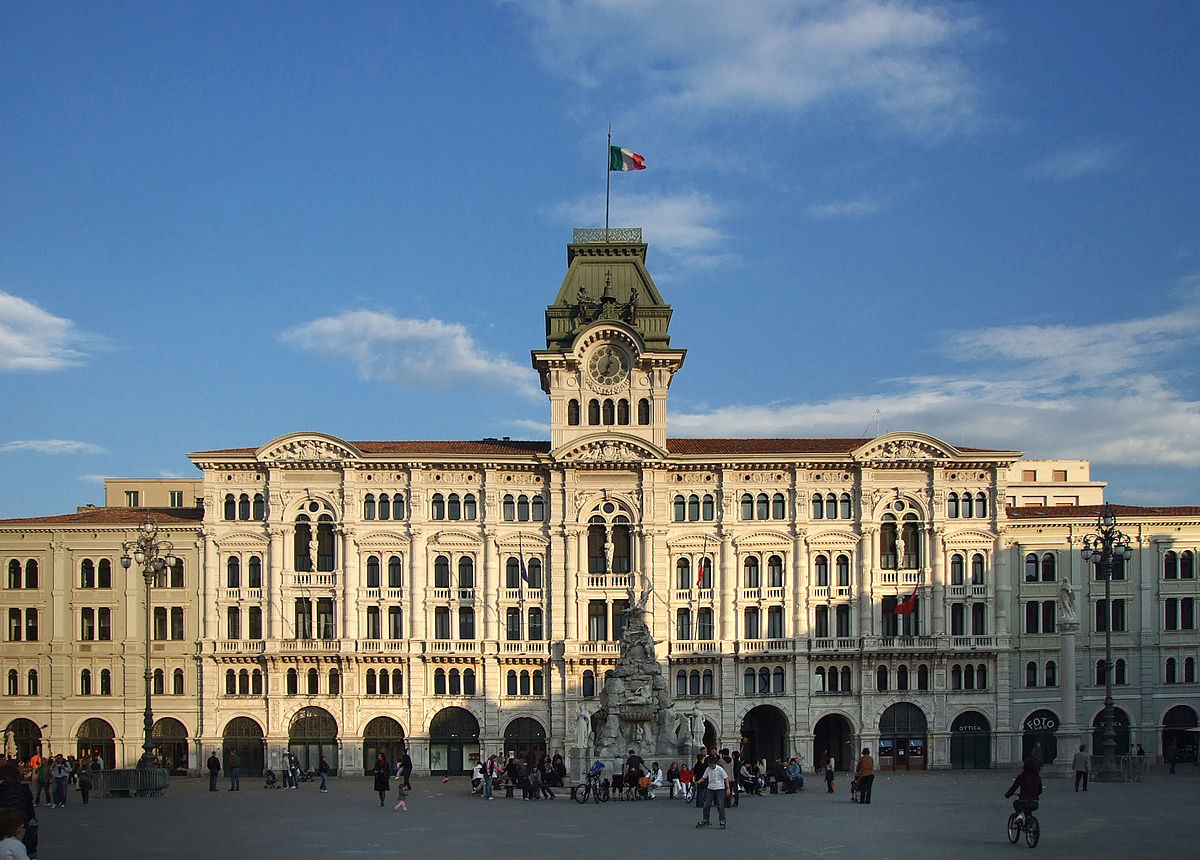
(941, 814)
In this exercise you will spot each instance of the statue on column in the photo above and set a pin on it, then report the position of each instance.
(899, 550)
(583, 726)
(1066, 602)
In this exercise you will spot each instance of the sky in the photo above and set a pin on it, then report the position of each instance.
(221, 222)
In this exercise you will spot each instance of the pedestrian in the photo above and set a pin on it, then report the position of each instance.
(717, 784)
(85, 781)
(15, 796)
(1038, 756)
(491, 771)
(12, 831)
(43, 782)
(1080, 762)
(699, 781)
(864, 771)
(401, 794)
(214, 768)
(406, 769)
(60, 772)
(382, 785)
(294, 769)
(234, 762)
(323, 772)
(830, 767)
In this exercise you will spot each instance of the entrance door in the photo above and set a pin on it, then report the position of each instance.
(970, 742)
(834, 736)
(902, 733)
(454, 758)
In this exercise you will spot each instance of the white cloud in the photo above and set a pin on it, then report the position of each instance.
(896, 61)
(1078, 161)
(858, 207)
(32, 339)
(684, 225)
(426, 354)
(52, 446)
(1091, 391)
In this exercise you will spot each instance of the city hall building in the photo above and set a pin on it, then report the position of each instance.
(459, 598)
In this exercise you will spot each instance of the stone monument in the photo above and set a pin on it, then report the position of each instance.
(635, 711)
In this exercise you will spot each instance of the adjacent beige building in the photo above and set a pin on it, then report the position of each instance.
(341, 597)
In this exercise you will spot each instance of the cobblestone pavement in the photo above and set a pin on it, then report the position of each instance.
(942, 815)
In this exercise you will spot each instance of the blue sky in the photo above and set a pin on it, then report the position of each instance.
(222, 222)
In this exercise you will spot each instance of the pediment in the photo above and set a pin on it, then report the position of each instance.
(308, 448)
(972, 539)
(694, 543)
(763, 539)
(609, 449)
(905, 447)
(382, 540)
(840, 540)
(449, 538)
(529, 544)
(241, 540)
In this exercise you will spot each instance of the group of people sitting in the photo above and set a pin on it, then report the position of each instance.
(535, 781)
(747, 777)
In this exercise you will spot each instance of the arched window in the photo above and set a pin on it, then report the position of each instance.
(683, 574)
(1051, 675)
(243, 507)
(371, 688)
(1031, 674)
(523, 509)
(468, 681)
(453, 507)
(833, 679)
(1170, 565)
(87, 574)
(966, 506)
(1187, 564)
(778, 507)
(293, 682)
(302, 540)
(643, 411)
(395, 572)
(233, 572)
(956, 569)
(969, 677)
(438, 507)
(14, 682)
(693, 683)
(706, 683)
(680, 508)
(524, 676)
(254, 573)
(593, 412)
(764, 680)
(539, 683)
(85, 682)
(952, 506)
(748, 681)
(831, 507)
(534, 572)
(747, 506)
(260, 507)
(977, 569)
(508, 508)
(31, 683)
(455, 686)
(385, 507)
(469, 507)
(846, 680)
(230, 682)
(981, 506)
(373, 578)
(1031, 568)
(177, 682)
(775, 572)
(244, 683)
(764, 507)
(818, 507)
(843, 571)
(610, 415)
(956, 681)
(902, 678)
(707, 508)
(622, 411)
(777, 680)
(881, 679)
(230, 511)
(439, 682)
(844, 503)
(751, 568)
(573, 412)
(313, 682)
(384, 683)
(922, 677)
(589, 684)
(822, 565)
(693, 508)
(441, 572)
(819, 680)
(537, 509)
(1049, 563)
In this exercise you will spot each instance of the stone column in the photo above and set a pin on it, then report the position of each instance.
(274, 583)
(938, 620)
(570, 590)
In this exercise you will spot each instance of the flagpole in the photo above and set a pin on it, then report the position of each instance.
(607, 180)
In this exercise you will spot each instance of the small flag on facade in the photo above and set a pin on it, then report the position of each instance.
(524, 570)
(624, 159)
(700, 573)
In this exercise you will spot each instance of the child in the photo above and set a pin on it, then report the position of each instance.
(12, 831)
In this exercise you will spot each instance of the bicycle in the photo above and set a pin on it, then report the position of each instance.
(1024, 821)
(594, 789)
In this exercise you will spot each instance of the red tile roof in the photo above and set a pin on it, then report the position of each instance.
(1092, 512)
(117, 517)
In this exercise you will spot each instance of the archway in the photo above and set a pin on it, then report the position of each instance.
(312, 734)
(1120, 729)
(1040, 727)
(902, 734)
(453, 741)
(97, 736)
(171, 745)
(27, 738)
(526, 738)
(1179, 734)
(833, 735)
(382, 735)
(246, 736)
(970, 741)
(764, 734)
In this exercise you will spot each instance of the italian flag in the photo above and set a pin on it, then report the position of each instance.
(624, 159)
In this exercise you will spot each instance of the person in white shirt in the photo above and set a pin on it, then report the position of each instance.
(718, 783)
(477, 778)
(656, 779)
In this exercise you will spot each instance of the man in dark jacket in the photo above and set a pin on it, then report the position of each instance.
(214, 768)
(406, 769)
(15, 794)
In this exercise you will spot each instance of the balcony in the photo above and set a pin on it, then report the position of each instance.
(234, 594)
(696, 646)
(310, 580)
(900, 644)
(764, 646)
(774, 594)
(751, 593)
(377, 646)
(452, 646)
(537, 649)
(833, 645)
(240, 646)
(292, 646)
(973, 642)
(599, 647)
(820, 592)
(608, 580)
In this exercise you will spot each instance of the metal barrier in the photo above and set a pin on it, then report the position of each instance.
(130, 782)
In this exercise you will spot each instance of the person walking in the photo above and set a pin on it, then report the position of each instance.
(864, 772)
(323, 772)
(214, 768)
(85, 780)
(699, 781)
(491, 771)
(234, 762)
(406, 769)
(717, 784)
(42, 776)
(60, 771)
(382, 785)
(829, 773)
(1080, 763)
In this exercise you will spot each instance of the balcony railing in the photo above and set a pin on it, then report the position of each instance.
(539, 649)
(694, 646)
(600, 647)
(452, 646)
(833, 644)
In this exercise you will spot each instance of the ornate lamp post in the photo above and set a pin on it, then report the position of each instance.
(1103, 548)
(154, 556)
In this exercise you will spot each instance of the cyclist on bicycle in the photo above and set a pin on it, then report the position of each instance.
(1028, 788)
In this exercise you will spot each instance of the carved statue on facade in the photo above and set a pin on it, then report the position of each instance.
(583, 726)
(1066, 601)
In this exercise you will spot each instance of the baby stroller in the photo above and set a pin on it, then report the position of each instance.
(272, 781)
(855, 791)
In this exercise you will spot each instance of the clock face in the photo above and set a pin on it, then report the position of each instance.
(608, 365)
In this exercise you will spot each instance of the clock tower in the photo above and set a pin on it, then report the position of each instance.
(608, 363)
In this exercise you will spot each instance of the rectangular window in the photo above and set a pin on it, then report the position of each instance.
(597, 620)
(842, 619)
(751, 630)
(395, 622)
(177, 574)
(1118, 615)
(233, 623)
(104, 624)
(1029, 475)
(1060, 476)
(775, 622)
(177, 623)
(1031, 617)
(1172, 614)
(958, 623)
(374, 630)
(441, 622)
(254, 622)
(704, 624)
(683, 625)
(176, 498)
(821, 622)
(31, 626)
(160, 623)
(512, 625)
(326, 628)
(14, 625)
(87, 624)
(1048, 611)
(1187, 614)
(978, 619)
(304, 618)
(466, 622)
(132, 499)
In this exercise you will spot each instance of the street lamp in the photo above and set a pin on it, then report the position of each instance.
(1103, 548)
(154, 556)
